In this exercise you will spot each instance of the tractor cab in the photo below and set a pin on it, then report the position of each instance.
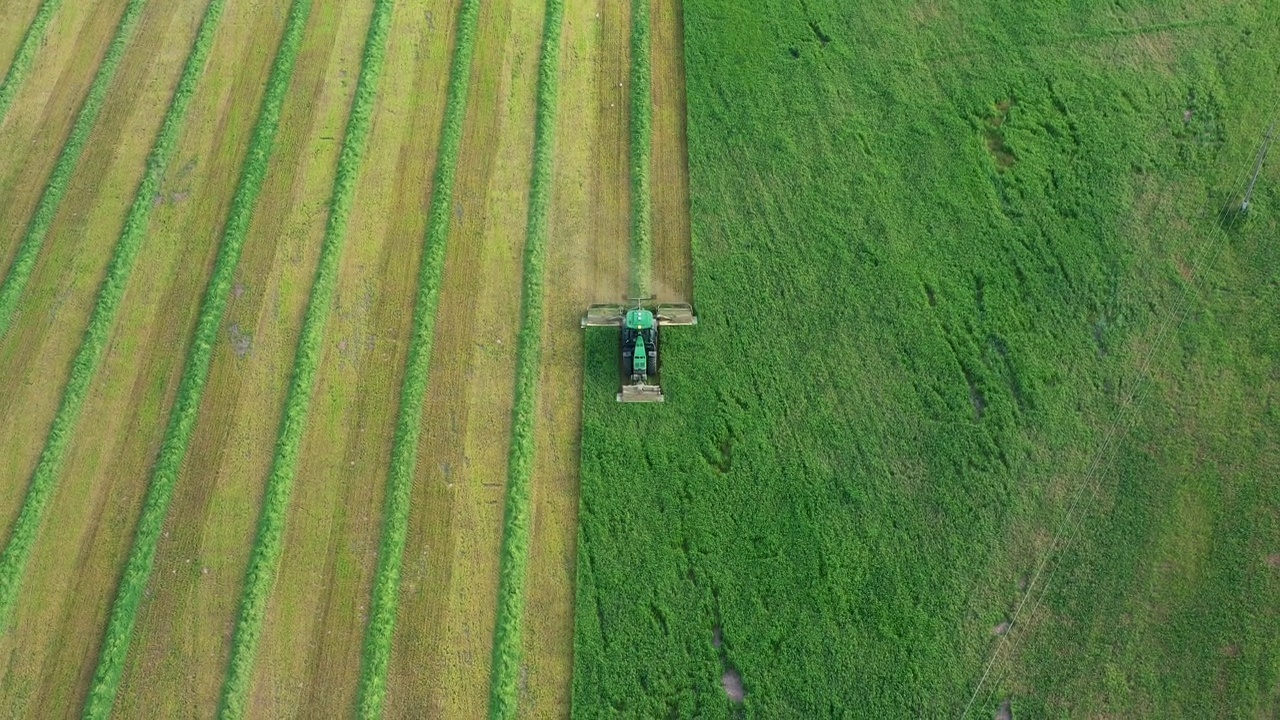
(639, 345)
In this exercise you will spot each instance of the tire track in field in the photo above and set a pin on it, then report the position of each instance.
(36, 128)
(183, 632)
(439, 664)
(587, 261)
(312, 635)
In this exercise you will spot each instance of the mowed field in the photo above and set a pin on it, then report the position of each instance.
(296, 419)
(221, 221)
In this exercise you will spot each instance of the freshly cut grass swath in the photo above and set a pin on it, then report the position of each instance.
(505, 676)
(43, 480)
(404, 451)
(24, 262)
(264, 559)
(119, 632)
(641, 149)
(21, 65)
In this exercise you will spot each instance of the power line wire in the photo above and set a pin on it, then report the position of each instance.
(1093, 476)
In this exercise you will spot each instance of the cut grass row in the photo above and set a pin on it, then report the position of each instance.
(264, 559)
(517, 527)
(641, 149)
(119, 632)
(94, 342)
(27, 525)
(32, 39)
(404, 451)
(29, 249)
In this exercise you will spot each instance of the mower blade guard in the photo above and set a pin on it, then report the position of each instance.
(640, 393)
(603, 316)
(676, 314)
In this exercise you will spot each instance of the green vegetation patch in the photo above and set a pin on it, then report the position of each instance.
(518, 523)
(641, 150)
(404, 450)
(15, 281)
(195, 373)
(934, 246)
(20, 68)
(264, 557)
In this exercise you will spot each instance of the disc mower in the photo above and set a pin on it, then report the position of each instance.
(639, 324)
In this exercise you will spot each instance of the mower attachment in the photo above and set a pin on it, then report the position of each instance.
(609, 315)
(675, 314)
(640, 393)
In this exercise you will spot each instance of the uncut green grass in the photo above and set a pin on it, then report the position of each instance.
(19, 272)
(195, 373)
(932, 247)
(20, 68)
(264, 558)
(376, 652)
(517, 523)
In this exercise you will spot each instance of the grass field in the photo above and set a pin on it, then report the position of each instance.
(183, 412)
(449, 582)
(183, 630)
(934, 251)
(44, 109)
(980, 411)
(62, 290)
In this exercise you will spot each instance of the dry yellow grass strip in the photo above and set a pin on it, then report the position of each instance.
(587, 262)
(444, 629)
(672, 259)
(312, 638)
(183, 634)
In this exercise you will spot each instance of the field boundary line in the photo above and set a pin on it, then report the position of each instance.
(641, 149)
(264, 558)
(20, 67)
(94, 342)
(514, 562)
(15, 281)
(1206, 256)
(375, 655)
(181, 424)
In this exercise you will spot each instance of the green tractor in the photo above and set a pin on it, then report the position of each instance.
(639, 341)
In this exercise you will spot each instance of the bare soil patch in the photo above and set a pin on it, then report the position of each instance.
(731, 681)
